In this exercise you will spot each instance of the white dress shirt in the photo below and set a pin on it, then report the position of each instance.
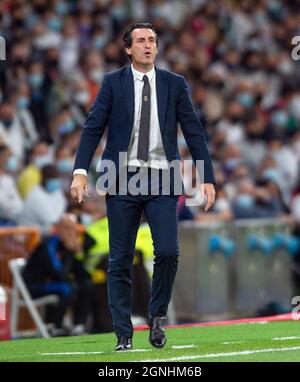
(157, 157)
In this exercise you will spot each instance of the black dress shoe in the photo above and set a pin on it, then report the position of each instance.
(124, 343)
(157, 336)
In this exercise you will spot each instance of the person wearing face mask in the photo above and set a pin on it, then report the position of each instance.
(46, 203)
(232, 125)
(25, 116)
(64, 163)
(80, 102)
(63, 124)
(12, 133)
(39, 157)
(99, 38)
(11, 203)
(96, 75)
(252, 202)
(40, 86)
(92, 68)
(66, 127)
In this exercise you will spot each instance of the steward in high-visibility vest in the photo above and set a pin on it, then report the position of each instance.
(99, 232)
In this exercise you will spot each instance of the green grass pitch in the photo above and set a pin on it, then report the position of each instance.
(273, 341)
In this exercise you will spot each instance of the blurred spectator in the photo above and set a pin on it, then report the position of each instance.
(64, 163)
(39, 156)
(81, 100)
(221, 210)
(11, 203)
(252, 202)
(40, 86)
(286, 163)
(13, 131)
(93, 70)
(46, 203)
(52, 268)
(62, 125)
(22, 100)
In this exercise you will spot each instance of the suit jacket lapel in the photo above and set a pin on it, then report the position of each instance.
(162, 96)
(128, 90)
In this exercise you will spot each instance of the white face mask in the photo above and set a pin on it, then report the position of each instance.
(82, 97)
(96, 75)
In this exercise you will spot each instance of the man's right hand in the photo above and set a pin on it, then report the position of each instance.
(79, 187)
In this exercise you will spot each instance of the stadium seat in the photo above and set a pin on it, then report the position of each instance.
(21, 297)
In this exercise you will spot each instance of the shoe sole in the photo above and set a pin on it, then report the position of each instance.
(156, 345)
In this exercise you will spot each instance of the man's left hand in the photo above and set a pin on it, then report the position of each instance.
(208, 191)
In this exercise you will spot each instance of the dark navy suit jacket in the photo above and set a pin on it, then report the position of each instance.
(114, 107)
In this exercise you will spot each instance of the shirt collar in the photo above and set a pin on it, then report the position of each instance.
(139, 75)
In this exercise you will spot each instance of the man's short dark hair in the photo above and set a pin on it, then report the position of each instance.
(127, 38)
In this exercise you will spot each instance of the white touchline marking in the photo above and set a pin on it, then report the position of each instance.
(91, 352)
(233, 342)
(74, 353)
(215, 355)
(284, 338)
(183, 347)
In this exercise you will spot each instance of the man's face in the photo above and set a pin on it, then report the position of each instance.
(143, 49)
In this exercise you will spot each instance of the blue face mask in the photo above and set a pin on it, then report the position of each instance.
(99, 42)
(31, 20)
(41, 160)
(53, 185)
(65, 165)
(231, 164)
(118, 12)
(66, 127)
(62, 8)
(245, 201)
(12, 164)
(280, 118)
(54, 24)
(272, 175)
(245, 99)
(23, 102)
(35, 80)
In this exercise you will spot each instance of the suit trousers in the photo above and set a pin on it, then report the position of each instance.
(124, 214)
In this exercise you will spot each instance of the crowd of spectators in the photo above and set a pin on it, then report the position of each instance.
(235, 55)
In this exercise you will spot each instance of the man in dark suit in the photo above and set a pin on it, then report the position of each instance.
(142, 106)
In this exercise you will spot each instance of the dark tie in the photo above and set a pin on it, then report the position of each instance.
(143, 143)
